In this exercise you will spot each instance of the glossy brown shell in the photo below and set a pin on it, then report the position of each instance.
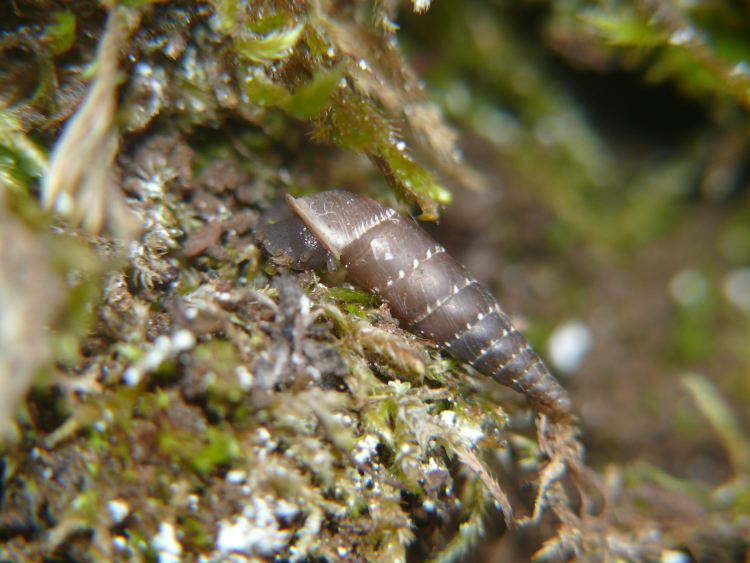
(425, 287)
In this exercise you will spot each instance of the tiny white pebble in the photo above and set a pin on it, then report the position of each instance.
(119, 510)
(236, 476)
(120, 542)
(263, 434)
(568, 346)
(166, 544)
(671, 556)
(245, 377)
(183, 340)
(448, 417)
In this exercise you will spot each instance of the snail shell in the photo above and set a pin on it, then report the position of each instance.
(391, 256)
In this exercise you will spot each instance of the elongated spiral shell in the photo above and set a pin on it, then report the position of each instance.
(425, 287)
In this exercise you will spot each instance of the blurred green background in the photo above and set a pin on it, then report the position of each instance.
(616, 153)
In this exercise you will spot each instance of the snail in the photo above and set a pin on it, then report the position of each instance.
(425, 287)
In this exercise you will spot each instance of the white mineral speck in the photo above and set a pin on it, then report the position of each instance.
(193, 501)
(183, 340)
(670, 556)
(256, 530)
(235, 536)
(365, 448)
(167, 546)
(448, 417)
(143, 69)
(471, 432)
(236, 476)
(304, 305)
(683, 36)
(568, 346)
(286, 509)
(400, 387)
(131, 377)
(120, 543)
(64, 204)
(246, 378)
(119, 510)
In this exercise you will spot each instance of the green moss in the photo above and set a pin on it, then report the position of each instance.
(356, 437)
(274, 45)
(413, 179)
(355, 123)
(27, 157)
(309, 100)
(60, 35)
(221, 449)
(346, 294)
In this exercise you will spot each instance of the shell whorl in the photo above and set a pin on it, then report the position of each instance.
(337, 218)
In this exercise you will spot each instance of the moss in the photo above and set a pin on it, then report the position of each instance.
(283, 416)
